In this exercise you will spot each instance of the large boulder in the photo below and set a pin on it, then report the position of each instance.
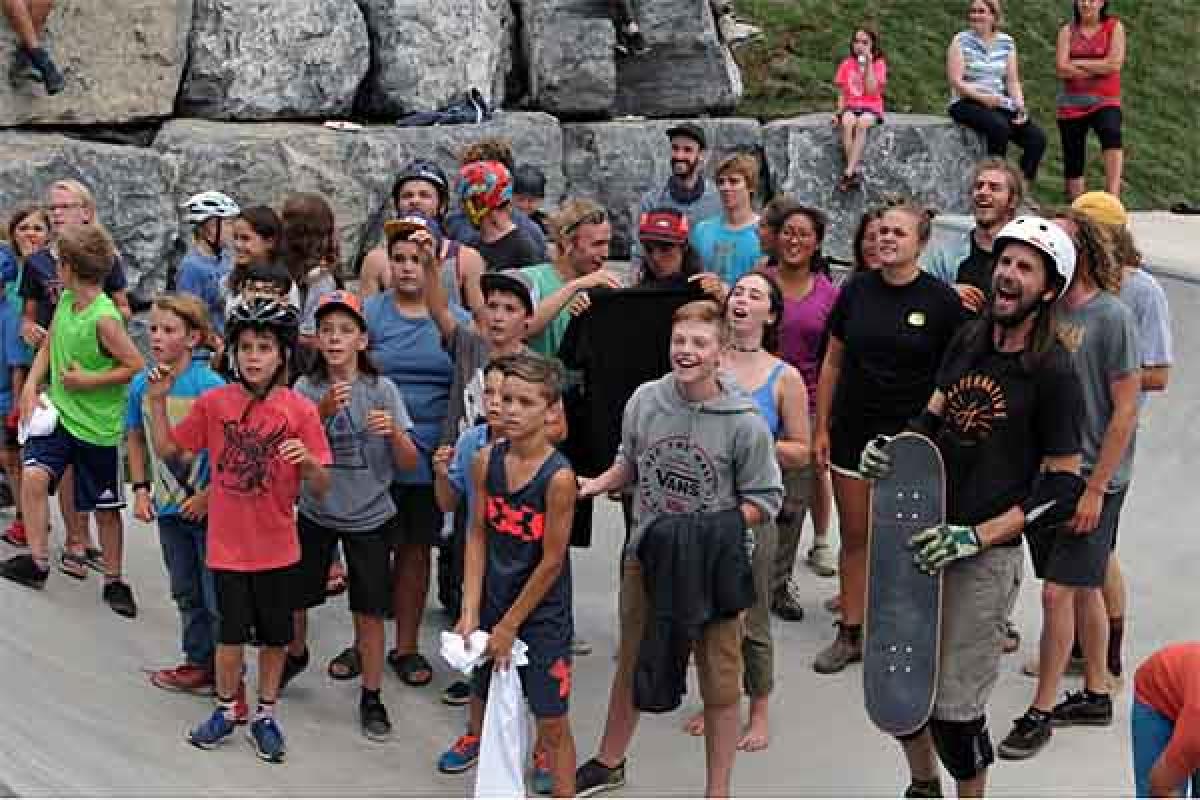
(260, 163)
(568, 47)
(426, 52)
(122, 62)
(928, 158)
(615, 163)
(272, 59)
(132, 187)
(687, 71)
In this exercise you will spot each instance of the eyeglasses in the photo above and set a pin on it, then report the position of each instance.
(591, 218)
(65, 206)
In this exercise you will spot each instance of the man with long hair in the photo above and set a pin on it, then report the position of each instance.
(1005, 417)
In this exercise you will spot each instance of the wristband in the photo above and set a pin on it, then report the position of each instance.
(140, 485)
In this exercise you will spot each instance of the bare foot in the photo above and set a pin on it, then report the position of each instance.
(695, 724)
(756, 734)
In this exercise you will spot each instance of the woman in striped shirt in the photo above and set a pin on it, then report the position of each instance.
(981, 65)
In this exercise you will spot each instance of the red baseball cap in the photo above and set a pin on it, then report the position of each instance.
(341, 300)
(663, 225)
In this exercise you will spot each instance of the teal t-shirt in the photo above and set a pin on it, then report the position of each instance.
(546, 281)
(728, 252)
(173, 480)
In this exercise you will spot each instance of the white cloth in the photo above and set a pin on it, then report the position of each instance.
(504, 747)
(463, 654)
(41, 422)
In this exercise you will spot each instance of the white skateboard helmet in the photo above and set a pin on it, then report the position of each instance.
(1045, 237)
(206, 205)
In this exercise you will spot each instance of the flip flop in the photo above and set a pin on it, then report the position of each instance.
(408, 666)
(347, 665)
(73, 565)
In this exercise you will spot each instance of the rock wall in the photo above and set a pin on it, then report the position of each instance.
(139, 190)
(926, 157)
(270, 59)
(424, 53)
(122, 62)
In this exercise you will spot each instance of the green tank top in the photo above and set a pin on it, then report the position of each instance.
(94, 416)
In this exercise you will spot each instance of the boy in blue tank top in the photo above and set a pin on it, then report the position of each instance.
(518, 572)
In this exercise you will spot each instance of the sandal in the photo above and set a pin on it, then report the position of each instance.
(94, 558)
(346, 666)
(73, 565)
(409, 666)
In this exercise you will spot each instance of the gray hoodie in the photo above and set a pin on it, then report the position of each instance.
(696, 457)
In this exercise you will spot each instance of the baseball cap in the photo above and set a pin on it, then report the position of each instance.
(409, 223)
(341, 300)
(1102, 207)
(508, 281)
(691, 130)
(529, 180)
(663, 225)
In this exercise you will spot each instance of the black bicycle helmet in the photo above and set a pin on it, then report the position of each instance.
(263, 314)
(424, 170)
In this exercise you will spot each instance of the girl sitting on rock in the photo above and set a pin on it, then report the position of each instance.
(861, 79)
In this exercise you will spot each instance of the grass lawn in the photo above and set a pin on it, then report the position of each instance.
(791, 72)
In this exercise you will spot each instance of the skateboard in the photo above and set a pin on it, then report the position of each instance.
(902, 635)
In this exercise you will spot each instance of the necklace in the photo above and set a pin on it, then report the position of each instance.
(743, 349)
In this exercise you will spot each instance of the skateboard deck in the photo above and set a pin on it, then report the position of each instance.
(902, 635)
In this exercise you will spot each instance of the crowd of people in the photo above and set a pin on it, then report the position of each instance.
(294, 437)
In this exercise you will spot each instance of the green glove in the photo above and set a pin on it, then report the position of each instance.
(875, 464)
(938, 546)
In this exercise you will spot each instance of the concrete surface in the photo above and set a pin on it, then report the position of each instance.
(81, 718)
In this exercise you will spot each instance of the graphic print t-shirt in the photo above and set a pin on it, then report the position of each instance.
(515, 529)
(173, 480)
(251, 507)
(999, 421)
(362, 466)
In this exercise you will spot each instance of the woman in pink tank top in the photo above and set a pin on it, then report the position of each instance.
(1088, 60)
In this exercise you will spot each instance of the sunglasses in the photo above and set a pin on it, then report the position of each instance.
(660, 247)
(591, 218)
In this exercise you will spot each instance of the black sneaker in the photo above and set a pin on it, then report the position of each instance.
(457, 694)
(1083, 708)
(47, 71)
(931, 788)
(25, 571)
(119, 597)
(1029, 735)
(292, 666)
(373, 717)
(594, 778)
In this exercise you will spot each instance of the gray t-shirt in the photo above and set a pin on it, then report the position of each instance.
(469, 352)
(1148, 302)
(320, 283)
(1102, 338)
(362, 470)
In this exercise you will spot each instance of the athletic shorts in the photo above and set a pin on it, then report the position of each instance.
(256, 606)
(546, 681)
(875, 116)
(719, 661)
(369, 573)
(418, 518)
(978, 595)
(848, 438)
(1069, 559)
(99, 478)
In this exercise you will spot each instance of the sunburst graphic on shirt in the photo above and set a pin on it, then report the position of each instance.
(975, 404)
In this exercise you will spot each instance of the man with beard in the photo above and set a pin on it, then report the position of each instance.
(997, 192)
(686, 190)
(1006, 419)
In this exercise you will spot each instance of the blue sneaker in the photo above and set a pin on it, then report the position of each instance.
(211, 732)
(461, 756)
(268, 740)
(543, 780)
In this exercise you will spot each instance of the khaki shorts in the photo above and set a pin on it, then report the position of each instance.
(978, 595)
(718, 651)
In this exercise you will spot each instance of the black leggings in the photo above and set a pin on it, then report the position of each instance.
(1106, 122)
(998, 129)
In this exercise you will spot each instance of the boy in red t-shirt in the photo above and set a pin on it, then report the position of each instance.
(263, 439)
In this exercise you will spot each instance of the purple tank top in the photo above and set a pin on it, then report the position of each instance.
(802, 335)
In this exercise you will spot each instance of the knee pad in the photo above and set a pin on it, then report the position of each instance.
(965, 748)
